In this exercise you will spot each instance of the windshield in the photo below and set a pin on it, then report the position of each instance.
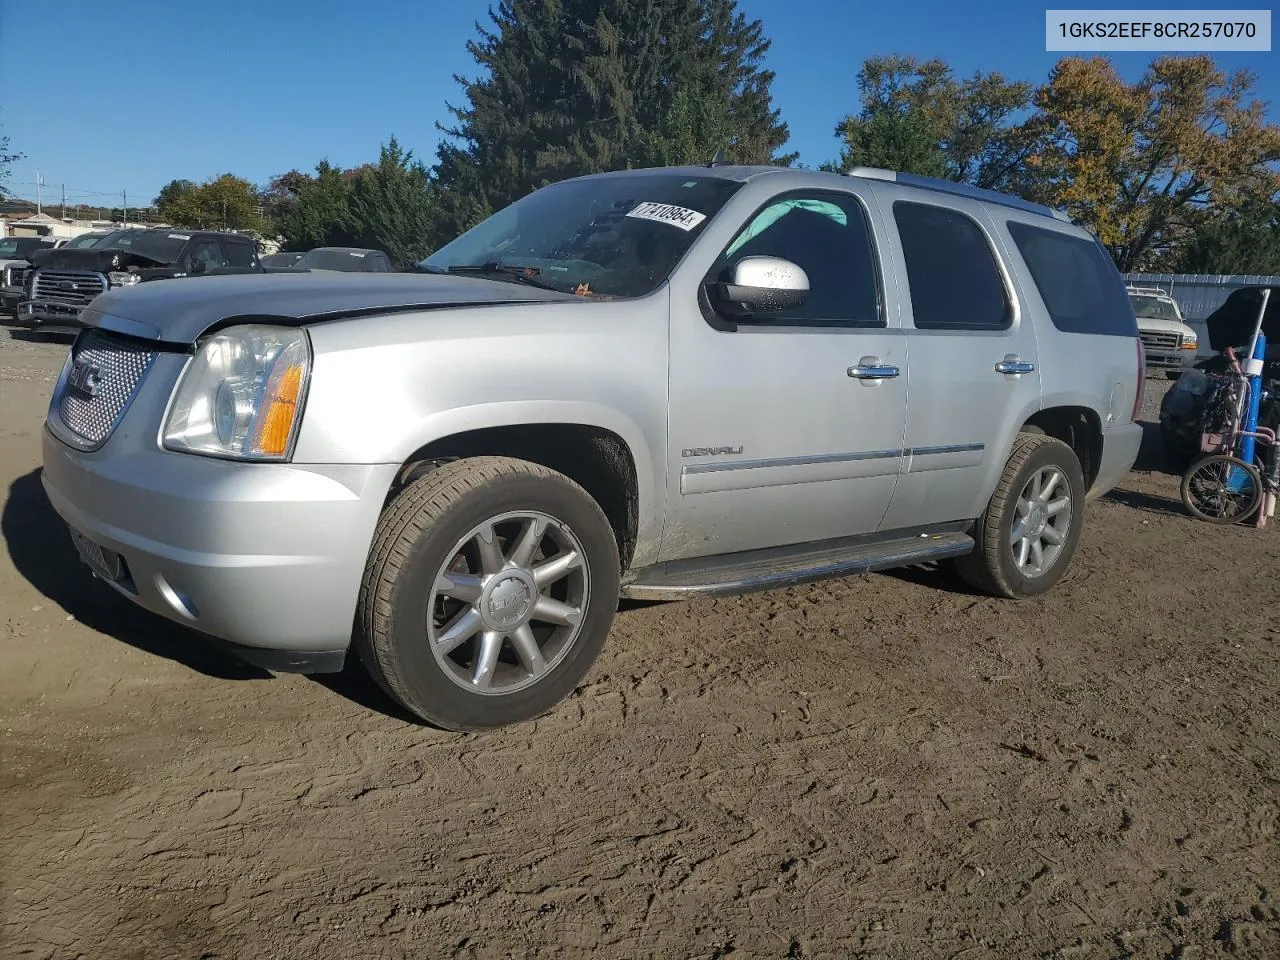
(614, 236)
(84, 240)
(349, 261)
(1154, 308)
(158, 246)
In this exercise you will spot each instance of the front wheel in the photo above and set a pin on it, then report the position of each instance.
(489, 592)
(1029, 531)
(1222, 489)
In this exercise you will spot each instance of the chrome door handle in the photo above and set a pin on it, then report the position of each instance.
(870, 368)
(1015, 366)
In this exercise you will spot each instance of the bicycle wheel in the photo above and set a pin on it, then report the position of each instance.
(1221, 489)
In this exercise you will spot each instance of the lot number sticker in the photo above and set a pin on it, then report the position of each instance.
(681, 217)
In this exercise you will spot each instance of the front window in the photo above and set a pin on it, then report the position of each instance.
(613, 236)
(1154, 308)
(84, 240)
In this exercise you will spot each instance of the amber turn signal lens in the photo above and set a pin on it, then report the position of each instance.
(280, 407)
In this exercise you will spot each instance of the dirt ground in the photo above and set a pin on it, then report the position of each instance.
(883, 766)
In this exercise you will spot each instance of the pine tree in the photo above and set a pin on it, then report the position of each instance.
(393, 206)
(571, 87)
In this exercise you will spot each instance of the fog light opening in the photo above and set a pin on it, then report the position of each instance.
(180, 602)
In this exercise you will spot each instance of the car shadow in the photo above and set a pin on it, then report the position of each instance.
(1146, 502)
(41, 551)
(1153, 456)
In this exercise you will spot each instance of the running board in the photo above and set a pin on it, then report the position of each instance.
(769, 569)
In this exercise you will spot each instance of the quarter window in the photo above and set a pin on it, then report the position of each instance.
(951, 270)
(826, 235)
(1077, 280)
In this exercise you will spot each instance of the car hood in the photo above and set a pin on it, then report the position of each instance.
(99, 260)
(178, 311)
(1160, 325)
(10, 263)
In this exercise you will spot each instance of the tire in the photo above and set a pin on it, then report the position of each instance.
(993, 567)
(411, 612)
(1211, 472)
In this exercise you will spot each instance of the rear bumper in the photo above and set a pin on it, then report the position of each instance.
(265, 557)
(1120, 446)
(43, 315)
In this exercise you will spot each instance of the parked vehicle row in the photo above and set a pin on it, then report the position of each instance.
(47, 284)
(652, 384)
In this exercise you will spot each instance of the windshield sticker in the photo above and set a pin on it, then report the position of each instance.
(357, 254)
(179, 236)
(681, 217)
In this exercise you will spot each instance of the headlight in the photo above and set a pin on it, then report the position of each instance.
(241, 396)
(119, 278)
(1189, 341)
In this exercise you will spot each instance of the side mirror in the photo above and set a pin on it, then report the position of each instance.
(761, 285)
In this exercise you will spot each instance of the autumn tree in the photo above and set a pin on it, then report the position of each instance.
(570, 87)
(917, 116)
(169, 198)
(225, 202)
(1137, 161)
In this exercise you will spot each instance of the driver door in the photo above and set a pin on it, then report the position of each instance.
(775, 436)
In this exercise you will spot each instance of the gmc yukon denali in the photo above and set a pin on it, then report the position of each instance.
(655, 384)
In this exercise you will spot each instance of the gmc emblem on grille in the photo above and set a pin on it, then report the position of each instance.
(85, 378)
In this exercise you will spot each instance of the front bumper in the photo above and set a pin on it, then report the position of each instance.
(44, 315)
(9, 297)
(1175, 360)
(265, 557)
(1120, 446)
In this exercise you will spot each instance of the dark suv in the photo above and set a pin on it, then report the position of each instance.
(64, 281)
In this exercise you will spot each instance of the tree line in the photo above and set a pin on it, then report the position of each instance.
(1173, 171)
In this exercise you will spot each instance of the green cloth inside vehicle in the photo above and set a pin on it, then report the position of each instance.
(776, 211)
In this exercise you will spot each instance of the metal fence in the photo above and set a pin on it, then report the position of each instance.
(1199, 294)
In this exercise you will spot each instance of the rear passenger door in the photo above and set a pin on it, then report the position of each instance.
(973, 375)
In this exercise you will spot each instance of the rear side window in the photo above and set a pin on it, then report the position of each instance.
(1077, 280)
(951, 271)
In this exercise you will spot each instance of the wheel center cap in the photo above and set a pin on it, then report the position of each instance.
(508, 600)
(1037, 518)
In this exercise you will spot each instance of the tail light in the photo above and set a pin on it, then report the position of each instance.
(1140, 394)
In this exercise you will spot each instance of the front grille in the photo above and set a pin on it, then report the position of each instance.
(1161, 341)
(100, 381)
(65, 286)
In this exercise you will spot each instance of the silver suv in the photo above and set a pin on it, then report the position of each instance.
(651, 384)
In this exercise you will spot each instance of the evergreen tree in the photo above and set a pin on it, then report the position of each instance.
(320, 214)
(393, 206)
(571, 87)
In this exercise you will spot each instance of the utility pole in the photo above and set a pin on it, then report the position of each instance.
(64, 201)
(124, 199)
(39, 183)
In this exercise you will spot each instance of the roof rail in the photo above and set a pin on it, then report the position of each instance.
(957, 190)
(1148, 291)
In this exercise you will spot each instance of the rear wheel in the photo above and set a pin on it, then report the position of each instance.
(1222, 489)
(489, 592)
(1029, 531)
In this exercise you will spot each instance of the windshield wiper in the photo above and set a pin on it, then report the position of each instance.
(505, 273)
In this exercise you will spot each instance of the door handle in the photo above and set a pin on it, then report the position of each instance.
(870, 368)
(1012, 365)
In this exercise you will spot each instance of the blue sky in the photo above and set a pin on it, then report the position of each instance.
(256, 88)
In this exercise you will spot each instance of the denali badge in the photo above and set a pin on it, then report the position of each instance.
(85, 378)
(710, 451)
